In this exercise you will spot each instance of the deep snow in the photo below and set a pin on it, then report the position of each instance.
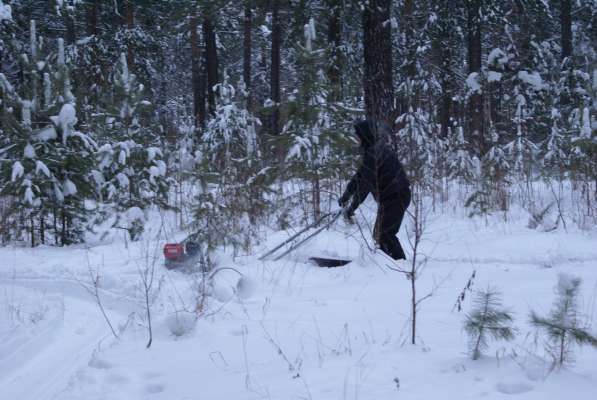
(304, 332)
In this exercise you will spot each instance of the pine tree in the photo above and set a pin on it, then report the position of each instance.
(488, 320)
(584, 145)
(232, 155)
(564, 325)
(491, 193)
(521, 150)
(555, 150)
(230, 135)
(49, 160)
(416, 140)
(460, 163)
(131, 174)
(416, 146)
(72, 156)
(309, 138)
(21, 175)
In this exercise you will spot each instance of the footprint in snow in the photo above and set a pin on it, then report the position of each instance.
(100, 363)
(154, 388)
(513, 387)
(535, 374)
(117, 378)
(151, 375)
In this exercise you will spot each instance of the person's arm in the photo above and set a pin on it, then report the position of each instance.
(361, 184)
(350, 189)
(361, 191)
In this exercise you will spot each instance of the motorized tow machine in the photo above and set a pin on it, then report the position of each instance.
(182, 255)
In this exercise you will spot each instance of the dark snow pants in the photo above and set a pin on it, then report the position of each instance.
(387, 224)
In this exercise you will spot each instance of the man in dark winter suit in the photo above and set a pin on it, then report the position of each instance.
(382, 175)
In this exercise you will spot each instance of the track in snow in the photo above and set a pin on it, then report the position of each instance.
(38, 363)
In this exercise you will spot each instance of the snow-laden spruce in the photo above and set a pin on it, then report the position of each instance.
(46, 159)
(131, 173)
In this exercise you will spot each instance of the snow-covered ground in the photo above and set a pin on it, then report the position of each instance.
(305, 333)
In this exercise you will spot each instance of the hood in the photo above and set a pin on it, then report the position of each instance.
(364, 131)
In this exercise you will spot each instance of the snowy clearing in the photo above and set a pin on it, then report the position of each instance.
(305, 333)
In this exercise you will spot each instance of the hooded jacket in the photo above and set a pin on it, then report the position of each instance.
(380, 172)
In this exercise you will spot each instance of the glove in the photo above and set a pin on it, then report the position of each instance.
(347, 214)
(343, 201)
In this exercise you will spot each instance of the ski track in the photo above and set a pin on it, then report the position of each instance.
(41, 366)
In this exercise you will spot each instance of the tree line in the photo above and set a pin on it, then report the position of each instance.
(108, 106)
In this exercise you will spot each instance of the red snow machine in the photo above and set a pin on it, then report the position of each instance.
(182, 255)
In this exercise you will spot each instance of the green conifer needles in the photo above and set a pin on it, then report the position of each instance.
(487, 321)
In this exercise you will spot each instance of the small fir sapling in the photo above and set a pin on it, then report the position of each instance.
(564, 324)
(488, 320)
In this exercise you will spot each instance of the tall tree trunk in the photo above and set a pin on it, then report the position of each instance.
(566, 43)
(566, 27)
(42, 227)
(377, 38)
(275, 68)
(334, 70)
(63, 234)
(32, 231)
(129, 18)
(475, 109)
(69, 24)
(523, 35)
(197, 78)
(93, 11)
(445, 107)
(55, 225)
(316, 196)
(259, 96)
(443, 54)
(408, 30)
(202, 92)
(409, 98)
(211, 61)
(247, 52)
(1, 72)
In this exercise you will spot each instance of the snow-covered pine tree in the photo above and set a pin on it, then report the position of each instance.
(492, 192)
(416, 145)
(461, 164)
(131, 173)
(48, 160)
(574, 93)
(72, 157)
(564, 326)
(555, 149)
(550, 129)
(584, 153)
(528, 88)
(487, 320)
(416, 141)
(230, 138)
(521, 149)
(18, 167)
(307, 134)
(25, 179)
(90, 67)
(230, 156)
